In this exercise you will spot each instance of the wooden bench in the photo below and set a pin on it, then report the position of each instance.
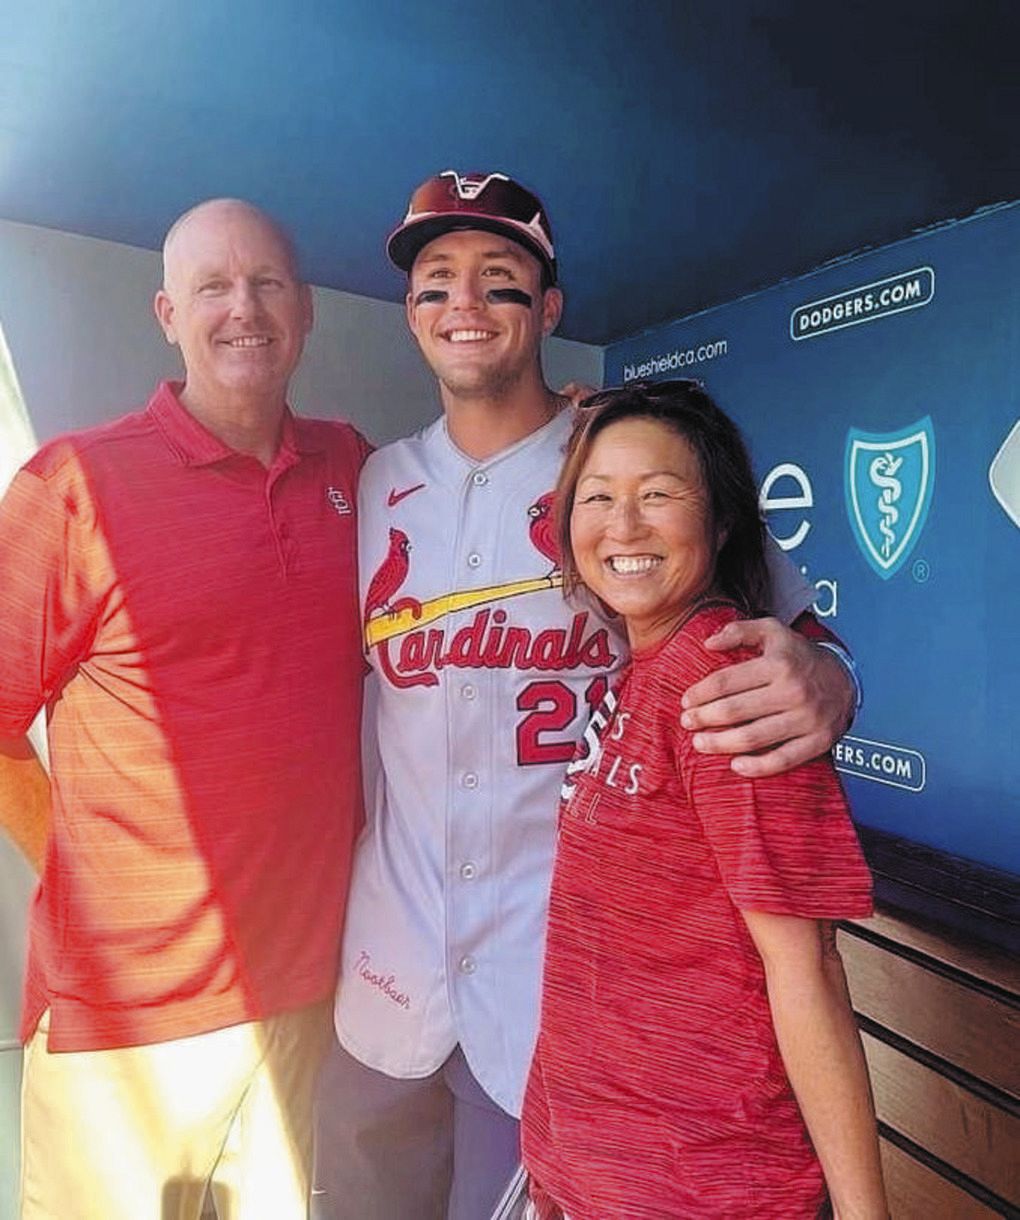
(935, 982)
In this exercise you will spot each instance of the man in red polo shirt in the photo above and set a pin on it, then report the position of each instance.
(179, 592)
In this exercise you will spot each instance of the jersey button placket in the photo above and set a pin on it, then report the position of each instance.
(467, 895)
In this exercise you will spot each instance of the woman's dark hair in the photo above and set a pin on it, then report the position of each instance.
(741, 571)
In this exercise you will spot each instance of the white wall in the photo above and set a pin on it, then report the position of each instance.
(77, 316)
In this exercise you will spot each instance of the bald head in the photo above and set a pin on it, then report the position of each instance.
(234, 304)
(218, 215)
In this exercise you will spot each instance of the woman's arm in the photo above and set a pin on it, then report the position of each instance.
(823, 1057)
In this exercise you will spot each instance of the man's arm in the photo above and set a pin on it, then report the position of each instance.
(774, 712)
(25, 808)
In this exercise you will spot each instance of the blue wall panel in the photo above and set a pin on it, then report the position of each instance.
(917, 339)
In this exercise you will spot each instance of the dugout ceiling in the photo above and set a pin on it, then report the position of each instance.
(689, 152)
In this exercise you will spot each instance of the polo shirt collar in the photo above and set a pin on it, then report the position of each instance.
(300, 435)
(195, 445)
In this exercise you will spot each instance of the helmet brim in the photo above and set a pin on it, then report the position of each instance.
(406, 242)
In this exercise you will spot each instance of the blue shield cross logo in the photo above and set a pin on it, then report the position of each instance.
(889, 480)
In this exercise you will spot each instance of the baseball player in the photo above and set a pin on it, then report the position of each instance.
(486, 677)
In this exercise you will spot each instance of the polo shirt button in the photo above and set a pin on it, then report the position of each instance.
(467, 964)
(469, 779)
(468, 691)
(479, 478)
(468, 871)
(474, 559)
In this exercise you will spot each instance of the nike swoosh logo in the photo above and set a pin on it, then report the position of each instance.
(394, 498)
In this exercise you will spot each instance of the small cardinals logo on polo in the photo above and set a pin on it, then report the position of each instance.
(339, 501)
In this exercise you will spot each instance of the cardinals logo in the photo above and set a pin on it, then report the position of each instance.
(387, 616)
(411, 651)
(542, 529)
(391, 574)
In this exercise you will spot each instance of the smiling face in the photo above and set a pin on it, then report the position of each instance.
(477, 309)
(641, 527)
(232, 301)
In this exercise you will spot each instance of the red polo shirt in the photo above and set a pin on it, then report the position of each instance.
(189, 620)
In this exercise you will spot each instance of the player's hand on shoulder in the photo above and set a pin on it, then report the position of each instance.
(783, 707)
(576, 392)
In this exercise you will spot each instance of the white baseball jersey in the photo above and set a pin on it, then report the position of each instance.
(486, 678)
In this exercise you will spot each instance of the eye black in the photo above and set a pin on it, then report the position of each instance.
(508, 296)
(431, 296)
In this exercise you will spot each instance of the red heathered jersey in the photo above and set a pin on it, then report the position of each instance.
(657, 1088)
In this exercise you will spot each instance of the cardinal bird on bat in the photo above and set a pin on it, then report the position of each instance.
(542, 529)
(391, 574)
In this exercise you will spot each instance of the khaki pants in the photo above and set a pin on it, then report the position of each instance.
(139, 1133)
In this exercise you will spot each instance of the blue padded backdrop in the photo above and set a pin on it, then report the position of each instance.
(879, 397)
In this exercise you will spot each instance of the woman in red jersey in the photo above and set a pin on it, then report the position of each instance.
(697, 1055)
